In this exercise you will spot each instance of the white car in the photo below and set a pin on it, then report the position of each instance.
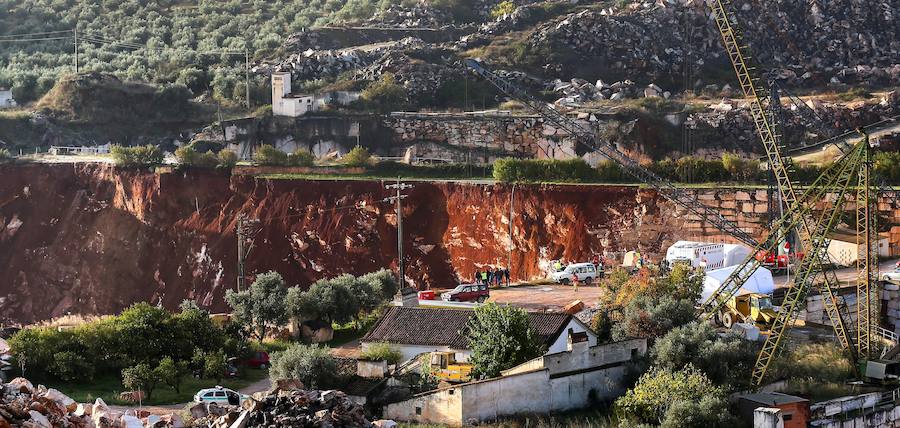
(586, 273)
(893, 276)
(219, 395)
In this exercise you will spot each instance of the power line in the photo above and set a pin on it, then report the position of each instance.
(34, 34)
(33, 39)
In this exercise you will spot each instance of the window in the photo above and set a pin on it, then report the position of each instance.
(220, 394)
(787, 417)
(452, 391)
(634, 353)
(418, 410)
(208, 395)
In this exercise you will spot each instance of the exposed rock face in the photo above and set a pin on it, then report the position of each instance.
(92, 239)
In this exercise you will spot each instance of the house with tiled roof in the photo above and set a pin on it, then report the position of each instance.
(417, 330)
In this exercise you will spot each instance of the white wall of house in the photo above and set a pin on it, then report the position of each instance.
(574, 326)
(285, 104)
(412, 351)
(555, 382)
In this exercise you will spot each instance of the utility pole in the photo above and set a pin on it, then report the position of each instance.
(245, 231)
(247, 76)
(512, 243)
(76, 49)
(399, 187)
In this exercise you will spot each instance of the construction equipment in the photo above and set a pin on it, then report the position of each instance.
(750, 308)
(445, 368)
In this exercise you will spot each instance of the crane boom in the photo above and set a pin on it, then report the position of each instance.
(590, 140)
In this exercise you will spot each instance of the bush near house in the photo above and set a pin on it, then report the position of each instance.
(358, 156)
(682, 398)
(311, 364)
(343, 299)
(227, 159)
(137, 156)
(382, 352)
(384, 95)
(724, 359)
(501, 338)
(187, 156)
(268, 155)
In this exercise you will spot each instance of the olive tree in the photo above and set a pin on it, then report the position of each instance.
(262, 305)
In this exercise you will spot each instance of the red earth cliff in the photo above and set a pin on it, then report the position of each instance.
(92, 239)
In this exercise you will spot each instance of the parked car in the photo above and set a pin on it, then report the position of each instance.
(893, 276)
(259, 360)
(219, 395)
(467, 293)
(586, 273)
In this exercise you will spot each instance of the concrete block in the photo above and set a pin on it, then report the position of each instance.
(891, 287)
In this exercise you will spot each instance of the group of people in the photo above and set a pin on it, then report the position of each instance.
(494, 277)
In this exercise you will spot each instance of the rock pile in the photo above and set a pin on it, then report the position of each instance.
(286, 405)
(807, 43)
(23, 405)
(731, 120)
(578, 91)
(420, 15)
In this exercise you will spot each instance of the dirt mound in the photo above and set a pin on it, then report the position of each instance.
(98, 98)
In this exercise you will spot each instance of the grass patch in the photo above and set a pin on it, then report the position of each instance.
(109, 386)
(344, 334)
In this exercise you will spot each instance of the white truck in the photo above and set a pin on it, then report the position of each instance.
(709, 256)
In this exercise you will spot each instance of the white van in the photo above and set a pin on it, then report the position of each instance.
(586, 273)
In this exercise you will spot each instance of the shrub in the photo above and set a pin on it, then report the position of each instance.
(70, 367)
(385, 95)
(500, 337)
(270, 156)
(227, 159)
(187, 156)
(511, 170)
(311, 364)
(137, 156)
(302, 158)
(660, 391)
(651, 318)
(602, 325)
(382, 352)
(172, 373)
(725, 359)
(740, 169)
(4, 154)
(505, 7)
(358, 156)
(140, 377)
(214, 365)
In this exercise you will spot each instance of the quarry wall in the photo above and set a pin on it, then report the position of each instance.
(90, 238)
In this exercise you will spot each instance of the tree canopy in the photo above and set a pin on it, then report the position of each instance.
(500, 337)
(262, 305)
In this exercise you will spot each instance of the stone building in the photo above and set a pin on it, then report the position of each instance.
(6, 98)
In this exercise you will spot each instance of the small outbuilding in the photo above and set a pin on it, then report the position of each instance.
(6, 98)
(794, 410)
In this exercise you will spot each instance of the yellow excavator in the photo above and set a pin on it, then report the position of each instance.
(750, 308)
(445, 368)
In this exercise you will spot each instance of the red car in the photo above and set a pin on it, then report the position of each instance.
(467, 293)
(259, 360)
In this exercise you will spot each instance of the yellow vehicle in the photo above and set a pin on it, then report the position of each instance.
(751, 308)
(445, 367)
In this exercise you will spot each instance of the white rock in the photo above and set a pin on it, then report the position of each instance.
(40, 420)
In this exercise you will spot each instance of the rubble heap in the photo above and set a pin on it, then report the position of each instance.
(23, 405)
(420, 15)
(286, 405)
(730, 120)
(807, 43)
(420, 78)
(578, 91)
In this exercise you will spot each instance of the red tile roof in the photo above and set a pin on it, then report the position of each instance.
(443, 327)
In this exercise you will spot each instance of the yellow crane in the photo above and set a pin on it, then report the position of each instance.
(812, 234)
